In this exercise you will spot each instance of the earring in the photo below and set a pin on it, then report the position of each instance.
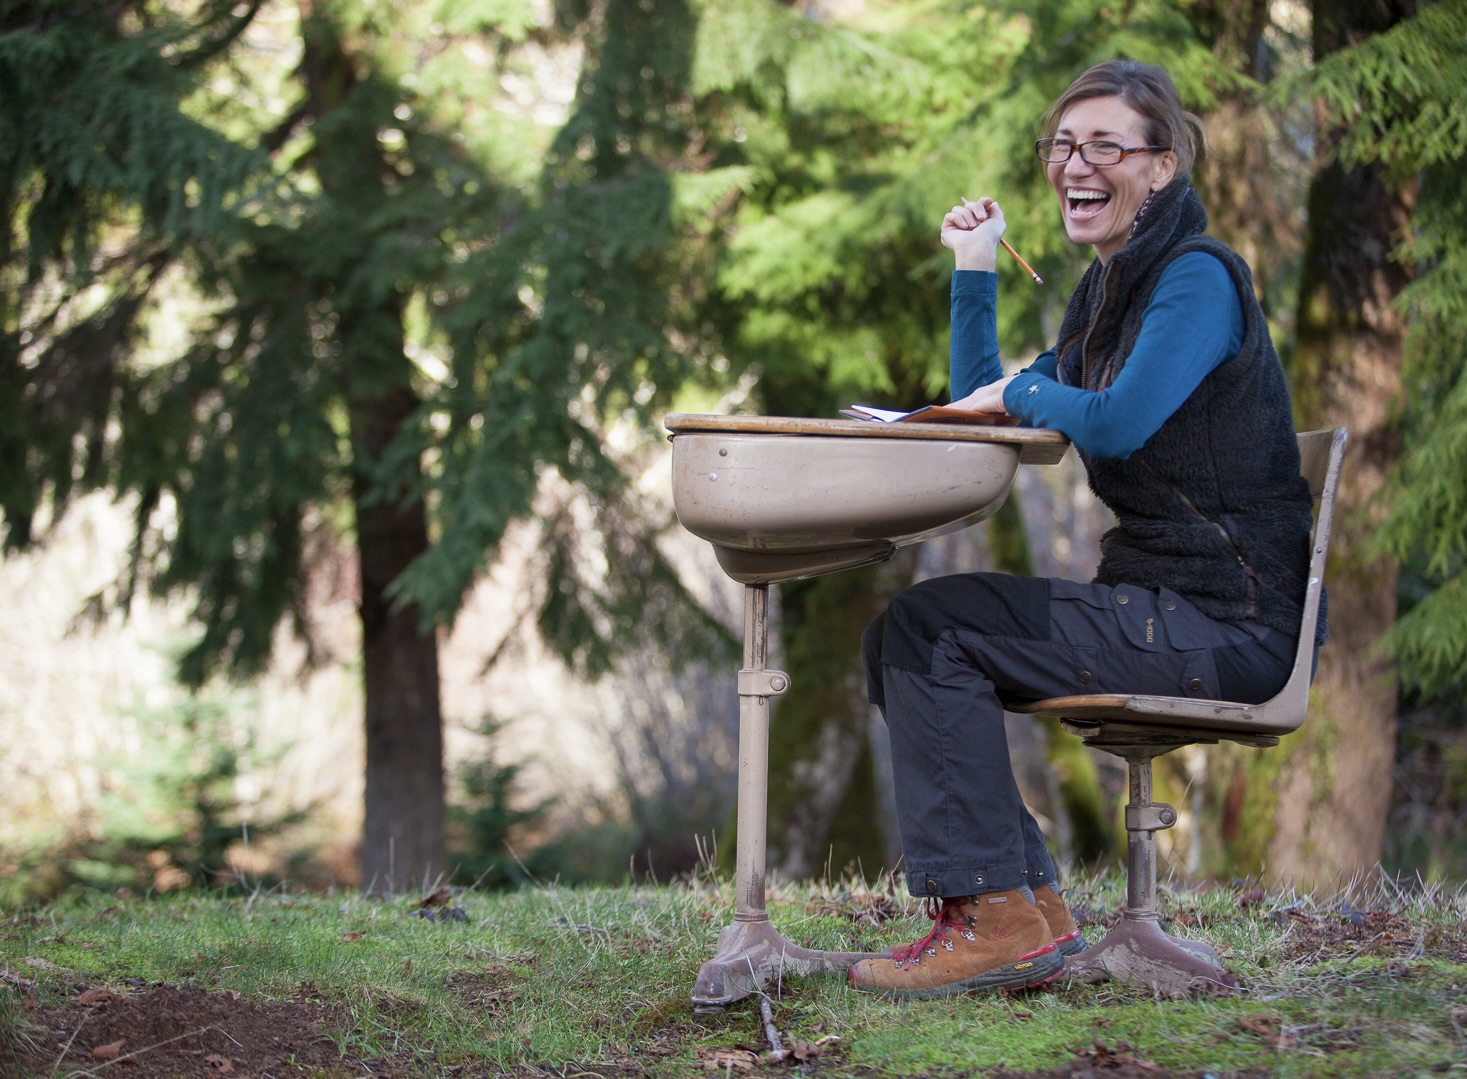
(1140, 213)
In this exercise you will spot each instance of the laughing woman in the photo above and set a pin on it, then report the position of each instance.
(1165, 379)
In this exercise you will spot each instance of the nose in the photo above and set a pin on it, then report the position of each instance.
(1077, 165)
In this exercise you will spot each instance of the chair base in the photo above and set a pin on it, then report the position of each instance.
(752, 953)
(1137, 950)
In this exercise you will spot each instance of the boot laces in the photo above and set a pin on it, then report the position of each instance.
(945, 916)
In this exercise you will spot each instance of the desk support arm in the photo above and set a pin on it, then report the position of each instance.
(751, 952)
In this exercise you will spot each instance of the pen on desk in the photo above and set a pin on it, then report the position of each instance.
(1005, 245)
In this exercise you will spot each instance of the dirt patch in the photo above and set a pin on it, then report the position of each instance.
(1109, 1062)
(1351, 932)
(166, 1031)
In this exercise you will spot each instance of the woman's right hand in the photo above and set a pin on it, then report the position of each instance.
(972, 230)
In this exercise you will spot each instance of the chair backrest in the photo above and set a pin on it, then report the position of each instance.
(1320, 453)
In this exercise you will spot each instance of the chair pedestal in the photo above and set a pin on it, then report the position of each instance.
(1137, 950)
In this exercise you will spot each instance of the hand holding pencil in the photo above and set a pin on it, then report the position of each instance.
(984, 216)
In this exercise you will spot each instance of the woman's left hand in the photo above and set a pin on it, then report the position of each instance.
(985, 398)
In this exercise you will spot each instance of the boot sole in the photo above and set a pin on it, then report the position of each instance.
(1071, 944)
(1028, 972)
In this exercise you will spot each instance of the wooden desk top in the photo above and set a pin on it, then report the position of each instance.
(1035, 446)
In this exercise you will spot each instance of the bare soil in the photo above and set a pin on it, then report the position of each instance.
(167, 1031)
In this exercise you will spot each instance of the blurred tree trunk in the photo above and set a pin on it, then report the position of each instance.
(1334, 787)
(403, 826)
(403, 830)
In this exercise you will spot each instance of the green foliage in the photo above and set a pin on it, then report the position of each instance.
(833, 287)
(1398, 95)
(484, 818)
(1425, 834)
(171, 812)
(580, 316)
(609, 586)
(92, 142)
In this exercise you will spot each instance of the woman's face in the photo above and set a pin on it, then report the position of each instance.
(1099, 202)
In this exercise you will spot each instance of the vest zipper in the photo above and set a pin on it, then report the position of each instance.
(1249, 571)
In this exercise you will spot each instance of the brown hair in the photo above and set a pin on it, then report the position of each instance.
(1150, 91)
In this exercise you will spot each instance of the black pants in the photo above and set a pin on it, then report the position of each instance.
(948, 650)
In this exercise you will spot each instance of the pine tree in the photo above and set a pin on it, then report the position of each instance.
(411, 318)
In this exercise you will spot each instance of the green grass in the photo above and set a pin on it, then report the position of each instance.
(599, 980)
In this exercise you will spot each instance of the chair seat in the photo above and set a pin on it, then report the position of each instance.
(1184, 719)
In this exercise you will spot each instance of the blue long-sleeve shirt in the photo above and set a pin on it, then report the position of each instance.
(1193, 323)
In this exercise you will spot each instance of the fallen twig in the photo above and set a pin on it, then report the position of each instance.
(777, 1051)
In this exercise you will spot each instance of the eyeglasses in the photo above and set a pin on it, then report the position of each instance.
(1100, 152)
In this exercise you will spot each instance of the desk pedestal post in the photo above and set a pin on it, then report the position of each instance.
(750, 951)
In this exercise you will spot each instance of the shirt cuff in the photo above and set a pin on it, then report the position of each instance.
(1019, 394)
(980, 284)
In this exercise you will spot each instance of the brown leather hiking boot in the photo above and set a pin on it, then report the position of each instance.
(994, 941)
(1062, 925)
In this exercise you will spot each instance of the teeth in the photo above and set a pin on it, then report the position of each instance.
(1083, 195)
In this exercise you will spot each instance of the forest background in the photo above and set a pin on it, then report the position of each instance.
(335, 337)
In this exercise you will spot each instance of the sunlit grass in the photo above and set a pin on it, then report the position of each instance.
(1357, 984)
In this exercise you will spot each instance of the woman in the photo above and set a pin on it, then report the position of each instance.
(1166, 381)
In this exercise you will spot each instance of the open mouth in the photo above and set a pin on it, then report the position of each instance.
(1085, 203)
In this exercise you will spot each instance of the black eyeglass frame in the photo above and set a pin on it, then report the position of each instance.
(1040, 145)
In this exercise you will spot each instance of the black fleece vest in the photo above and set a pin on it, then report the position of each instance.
(1213, 506)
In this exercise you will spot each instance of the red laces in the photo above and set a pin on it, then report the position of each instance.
(948, 916)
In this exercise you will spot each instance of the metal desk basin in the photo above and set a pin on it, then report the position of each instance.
(782, 499)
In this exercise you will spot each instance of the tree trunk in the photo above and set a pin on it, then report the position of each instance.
(1334, 789)
(1252, 175)
(402, 837)
(403, 833)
